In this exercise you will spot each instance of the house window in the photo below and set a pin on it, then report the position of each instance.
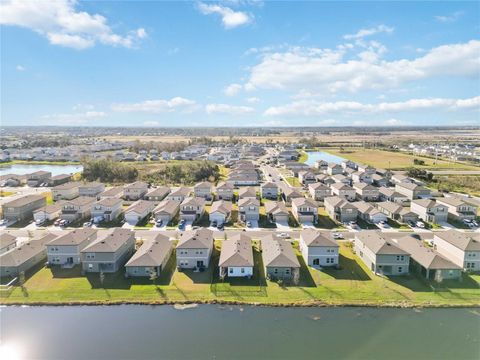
(230, 270)
(275, 271)
(287, 271)
(242, 270)
(400, 269)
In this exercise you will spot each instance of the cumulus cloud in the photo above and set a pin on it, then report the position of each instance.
(228, 109)
(309, 108)
(362, 33)
(63, 24)
(331, 70)
(157, 106)
(230, 18)
(232, 89)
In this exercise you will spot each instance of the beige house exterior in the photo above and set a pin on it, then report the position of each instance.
(135, 191)
(23, 207)
(461, 248)
(150, 258)
(67, 191)
(77, 209)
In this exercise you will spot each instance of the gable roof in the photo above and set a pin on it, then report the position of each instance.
(390, 206)
(461, 240)
(109, 241)
(337, 201)
(167, 206)
(247, 192)
(278, 253)
(27, 250)
(159, 191)
(24, 200)
(275, 207)
(140, 206)
(181, 191)
(221, 206)
(225, 186)
(7, 240)
(67, 186)
(269, 185)
(152, 252)
(316, 238)
(136, 185)
(80, 201)
(109, 201)
(203, 185)
(193, 201)
(427, 203)
(75, 237)
(114, 191)
(341, 186)
(318, 186)
(236, 251)
(375, 241)
(304, 201)
(196, 239)
(248, 201)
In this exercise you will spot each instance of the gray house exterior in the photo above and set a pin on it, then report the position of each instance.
(109, 251)
(23, 207)
(7, 242)
(318, 249)
(279, 259)
(194, 249)
(65, 250)
(150, 258)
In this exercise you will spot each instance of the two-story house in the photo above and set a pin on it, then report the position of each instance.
(67, 191)
(305, 210)
(65, 250)
(412, 190)
(23, 207)
(225, 191)
(334, 169)
(194, 249)
(157, 194)
(382, 256)
(340, 209)
(38, 177)
(269, 190)
(318, 249)
(247, 192)
(461, 248)
(248, 209)
(179, 194)
(458, 209)
(366, 192)
(135, 191)
(109, 251)
(429, 210)
(91, 189)
(344, 191)
(362, 177)
(77, 209)
(397, 212)
(203, 190)
(306, 177)
(389, 194)
(108, 209)
(192, 208)
(290, 193)
(319, 191)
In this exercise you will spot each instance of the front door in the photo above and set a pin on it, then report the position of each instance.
(70, 260)
(316, 262)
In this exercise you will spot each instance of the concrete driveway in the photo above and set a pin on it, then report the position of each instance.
(254, 225)
(282, 226)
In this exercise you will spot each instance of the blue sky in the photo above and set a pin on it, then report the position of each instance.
(239, 63)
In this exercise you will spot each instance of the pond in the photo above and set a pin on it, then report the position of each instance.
(313, 156)
(238, 332)
(22, 169)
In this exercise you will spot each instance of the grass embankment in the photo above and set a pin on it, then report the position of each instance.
(303, 157)
(395, 160)
(353, 284)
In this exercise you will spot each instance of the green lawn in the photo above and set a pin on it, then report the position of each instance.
(293, 181)
(303, 157)
(352, 284)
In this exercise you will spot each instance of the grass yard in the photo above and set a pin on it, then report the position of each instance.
(6, 193)
(352, 284)
(395, 160)
(325, 221)
(293, 181)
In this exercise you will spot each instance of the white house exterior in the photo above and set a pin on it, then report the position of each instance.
(109, 208)
(461, 248)
(67, 191)
(318, 249)
(236, 257)
(429, 210)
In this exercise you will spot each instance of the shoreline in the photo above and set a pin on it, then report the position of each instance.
(319, 304)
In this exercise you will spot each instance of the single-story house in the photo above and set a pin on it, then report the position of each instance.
(166, 210)
(67, 191)
(236, 257)
(179, 194)
(276, 211)
(279, 259)
(91, 189)
(48, 212)
(150, 258)
(220, 211)
(369, 213)
(7, 242)
(305, 210)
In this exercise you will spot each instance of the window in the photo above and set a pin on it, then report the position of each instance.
(400, 269)
(287, 271)
(275, 271)
(242, 270)
(230, 270)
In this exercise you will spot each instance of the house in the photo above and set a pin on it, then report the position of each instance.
(241, 178)
(158, 194)
(389, 194)
(363, 177)
(380, 255)
(248, 209)
(306, 177)
(194, 249)
(59, 179)
(319, 191)
(458, 209)
(318, 249)
(150, 258)
(349, 164)
(397, 212)
(77, 209)
(225, 191)
(38, 177)
(321, 165)
(166, 211)
(91, 189)
(340, 209)
(279, 259)
(366, 191)
(113, 192)
(22, 258)
(269, 190)
(461, 248)
(427, 261)
(65, 250)
(23, 207)
(11, 180)
(220, 211)
(236, 257)
(429, 210)
(109, 251)
(366, 168)
(379, 180)
(107, 209)
(179, 194)
(369, 213)
(67, 191)
(203, 190)
(295, 167)
(289, 193)
(340, 178)
(345, 191)
(400, 179)
(7, 242)
(192, 208)
(277, 212)
(138, 211)
(305, 210)
(135, 191)
(412, 190)
(48, 212)
(334, 169)
(247, 192)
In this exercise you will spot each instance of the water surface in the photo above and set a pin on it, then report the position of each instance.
(216, 332)
(321, 155)
(22, 169)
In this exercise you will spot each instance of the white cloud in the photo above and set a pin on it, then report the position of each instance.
(20, 68)
(331, 71)
(230, 18)
(72, 118)
(253, 100)
(449, 18)
(232, 89)
(62, 24)
(309, 108)
(362, 33)
(228, 109)
(157, 106)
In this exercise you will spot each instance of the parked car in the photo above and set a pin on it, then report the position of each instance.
(57, 222)
(214, 223)
(39, 222)
(420, 224)
(159, 223)
(284, 235)
(338, 236)
(249, 224)
(87, 224)
(3, 222)
(220, 226)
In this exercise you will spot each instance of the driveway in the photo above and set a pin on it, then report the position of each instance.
(126, 225)
(254, 225)
(446, 225)
(282, 226)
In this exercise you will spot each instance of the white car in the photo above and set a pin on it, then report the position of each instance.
(338, 236)
(3, 222)
(420, 224)
(284, 235)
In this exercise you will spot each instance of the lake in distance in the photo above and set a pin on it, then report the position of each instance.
(313, 156)
(22, 169)
(238, 332)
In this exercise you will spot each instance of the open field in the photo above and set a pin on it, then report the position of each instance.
(352, 284)
(395, 160)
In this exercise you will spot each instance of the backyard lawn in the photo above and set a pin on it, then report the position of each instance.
(394, 160)
(293, 181)
(352, 284)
